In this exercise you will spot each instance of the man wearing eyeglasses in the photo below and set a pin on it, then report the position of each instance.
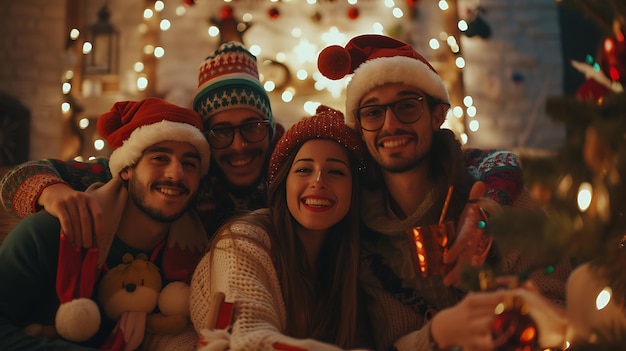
(421, 177)
(240, 129)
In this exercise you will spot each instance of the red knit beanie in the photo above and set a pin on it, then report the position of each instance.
(375, 60)
(327, 123)
(132, 126)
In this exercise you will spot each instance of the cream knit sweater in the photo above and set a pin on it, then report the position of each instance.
(241, 267)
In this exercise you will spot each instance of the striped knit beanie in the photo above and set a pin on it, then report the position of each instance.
(229, 78)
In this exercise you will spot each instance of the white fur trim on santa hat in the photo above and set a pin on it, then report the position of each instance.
(145, 136)
(396, 69)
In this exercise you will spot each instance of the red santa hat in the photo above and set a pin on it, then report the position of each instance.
(132, 126)
(375, 60)
(328, 124)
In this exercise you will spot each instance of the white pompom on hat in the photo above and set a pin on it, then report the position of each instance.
(375, 60)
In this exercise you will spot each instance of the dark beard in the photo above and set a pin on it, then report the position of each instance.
(153, 213)
(408, 167)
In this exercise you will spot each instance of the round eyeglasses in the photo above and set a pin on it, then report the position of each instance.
(372, 117)
(251, 132)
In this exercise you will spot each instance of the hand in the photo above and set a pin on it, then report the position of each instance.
(468, 323)
(471, 244)
(78, 212)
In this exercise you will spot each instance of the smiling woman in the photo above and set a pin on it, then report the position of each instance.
(291, 270)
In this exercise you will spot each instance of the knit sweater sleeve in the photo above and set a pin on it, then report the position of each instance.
(240, 265)
(28, 297)
(22, 186)
(500, 170)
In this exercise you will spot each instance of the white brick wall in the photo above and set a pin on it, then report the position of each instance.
(31, 62)
(511, 114)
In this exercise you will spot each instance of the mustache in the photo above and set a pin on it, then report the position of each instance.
(170, 183)
(394, 133)
(247, 153)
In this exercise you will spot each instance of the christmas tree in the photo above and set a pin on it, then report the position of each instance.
(582, 192)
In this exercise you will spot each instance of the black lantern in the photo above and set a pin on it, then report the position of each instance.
(104, 38)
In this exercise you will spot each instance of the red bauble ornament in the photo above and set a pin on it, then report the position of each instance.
(189, 2)
(412, 3)
(353, 13)
(613, 59)
(515, 330)
(226, 12)
(591, 90)
(273, 13)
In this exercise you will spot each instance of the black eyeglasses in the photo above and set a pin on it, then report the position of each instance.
(372, 117)
(251, 132)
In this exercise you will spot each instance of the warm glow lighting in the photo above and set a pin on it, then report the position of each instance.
(463, 138)
(159, 6)
(78, 158)
(165, 24)
(213, 31)
(455, 48)
(457, 111)
(462, 25)
(302, 74)
(74, 34)
(83, 123)
(468, 101)
(69, 74)
(443, 5)
(389, 3)
(451, 40)
(310, 107)
(148, 49)
(287, 95)
(296, 32)
(397, 13)
(471, 111)
(87, 47)
(433, 43)
(269, 86)
(67, 87)
(352, 2)
(305, 51)
(138, 66)
(147, 13)
(584, 196)
(255, 50)
(180, 10)
(142, 83)
(603, 299)
(159, 52)
(460, 62)
(334, 37)
(378, 28)
(281, 57)
(473, 125)
(98, 144)
(65, 107)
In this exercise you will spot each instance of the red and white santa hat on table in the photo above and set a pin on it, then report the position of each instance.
(132, 126)
(374, 60)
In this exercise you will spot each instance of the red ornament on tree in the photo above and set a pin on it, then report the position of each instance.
(513, 329)
(226, 12)
(189, 2)
(353, 13)
(273, 13)
(412, 3)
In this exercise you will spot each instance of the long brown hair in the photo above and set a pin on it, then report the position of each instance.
(322, 307)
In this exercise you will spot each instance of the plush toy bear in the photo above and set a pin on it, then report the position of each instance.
(128, 293)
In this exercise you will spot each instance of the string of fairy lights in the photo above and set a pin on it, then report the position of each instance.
(299, 58)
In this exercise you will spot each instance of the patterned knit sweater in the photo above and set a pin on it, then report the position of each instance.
(400, 301)
(241, 266)
(21, 187)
